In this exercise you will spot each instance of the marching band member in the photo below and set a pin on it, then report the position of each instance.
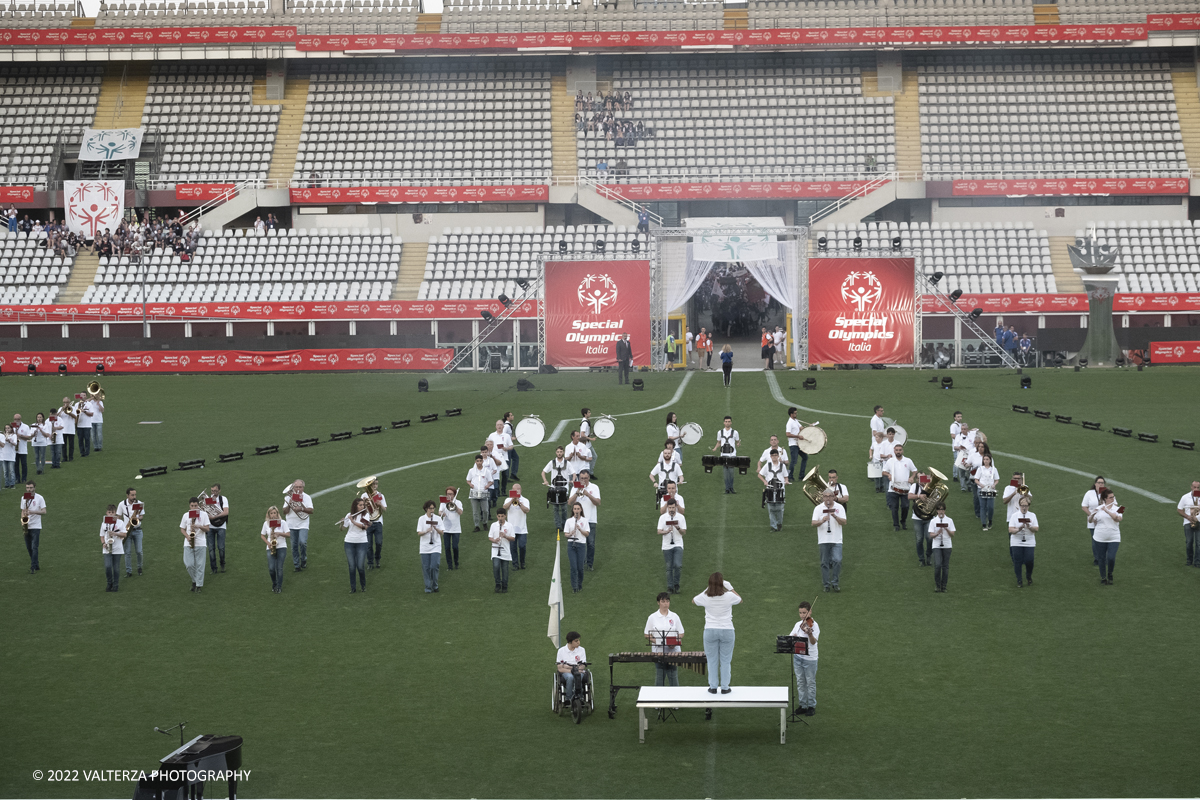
(675, 456)
(587, 494)
(1106, 535)
(672, 494)
(1092, 500)
(83, 426)
(974, 463)
(963, 446)
(514, 458)
(68, 417)
(941, 533)
(921, 526)
(576, 530)
(131, 513)
(299, 511)
(829, 518)
(673, 434)
(877, 423)
(8, 456)
(500, 536)
(493, 463)
(765, 458)
(41, 438)
(586, 436)
(1010, 498)
(1022, 525)
(665, 469)
(451, 511)
(479, 484)
(559, 473)
(986, 478)
(805, 666)
(217, 507)
(578, 455)
(879, 452)
(97, 406)
(355, 544)
(900, 472)
(55, 426)
(841, 492)
(33, 508)
(429, 529)
(1189, 509)
(727, 442)
(792, 431)
(517, 508)
(774, 477)
(274, 535)
(112, 536)
(373, 497)
(501, 444)
(671, 527)
(24, 435)
(664, 632)
(956, 429)
(194, 525)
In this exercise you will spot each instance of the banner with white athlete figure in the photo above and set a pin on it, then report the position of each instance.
(113, 144)
(94, 206)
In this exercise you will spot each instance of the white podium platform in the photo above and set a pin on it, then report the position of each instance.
(699, 697)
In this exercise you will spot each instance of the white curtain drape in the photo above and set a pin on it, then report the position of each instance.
(776, 278)
(681, 279)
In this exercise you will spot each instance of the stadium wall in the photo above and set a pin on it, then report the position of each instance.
(1044, 217)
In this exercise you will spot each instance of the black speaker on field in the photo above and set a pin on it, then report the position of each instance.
(524, 385)
(546, 369)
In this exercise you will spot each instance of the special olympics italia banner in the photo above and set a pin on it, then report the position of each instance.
(112, 144)
(860, 310)
(151, 361)
(1175, 352)
(93, 206)
(589, 304)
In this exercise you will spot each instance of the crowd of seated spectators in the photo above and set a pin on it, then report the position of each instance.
(53, 235)
(599, 115)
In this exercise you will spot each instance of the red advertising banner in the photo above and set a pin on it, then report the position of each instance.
(1010, 303)
(150, 361)
(713, 191)
(385, 309)
(589, 305)
(1173, 22)
(861, 310)
(143, 36)
(1166, 302)
(528, 193)
(202, 192)
(16, 194)
(1071, 186)
(1175, 352)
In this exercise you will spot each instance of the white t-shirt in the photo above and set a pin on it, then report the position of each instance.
(68, 422)
(955, 430)
(679, 504)
(877, 424)
(577, 456)
(660, 627)
(280, 541)
(224, 503)
(576, 530)
(293, 520)
(799, 631)
(556, 469)
(578, 496)
(1187, 503)
(354, 534)
(718, 611)
(690, 338)
(380, 502)
(1010, 496)
(451, 514)
(673, 434)
(498, 439)
(988, 477)
(728, 437)
(568, 656)
(902, 470)
(792, 430)
(38, 503)
(518, 515)
(41, 434)
(23, 444)
(941, 541)
(840, 490)
(1090, 501)
(1107, 529)
(962, 451)
(108, 533)
(672, 539)
(780, 337)
(431, 533)
(830, 530)
(8, 447)
(500, 548)
(97, 411)
(666, 471)
(200, 522)
(975, 461)
(479, 478)
(765, 458)
(1015, 539)
(125, 511)
(882, 451)
(87, 414)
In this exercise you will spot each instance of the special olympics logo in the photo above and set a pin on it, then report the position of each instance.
(296, 359)
(333, 359)
(1179, 351)
(862, 289)
(73, 361)
(221, 360)
(147, 360)
(370, 358)
(597, 291)
(407, 358)
(258, 361)
(184, 361)
(110, 361)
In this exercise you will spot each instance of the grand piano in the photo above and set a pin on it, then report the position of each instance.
(204, 754)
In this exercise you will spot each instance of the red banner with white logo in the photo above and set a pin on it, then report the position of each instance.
(589, 305)
(149, 361)
(385, 309)
(714, 191)
(1175, 352)
(1071, 186)
(527, 193)
(1173, 22)
(16, 194)
(1163, 302)
(861, 310)
(142, 36)
(202, 192)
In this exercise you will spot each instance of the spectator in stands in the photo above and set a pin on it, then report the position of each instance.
(622, 171)
(12, 219)
(26, 225)
(578, 101)
(643, 217)
(942, 357)
(260, 227)
(871, 164)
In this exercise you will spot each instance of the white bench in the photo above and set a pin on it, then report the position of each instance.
(699, 697)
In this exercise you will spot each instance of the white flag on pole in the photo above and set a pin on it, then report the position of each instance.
(556, 595)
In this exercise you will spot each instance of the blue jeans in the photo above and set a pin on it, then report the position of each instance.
(560, 515)
(514, 461)
(430, 562)
(55, 455)
(1191, 544)
(963, 475)
(39, 458)
(673, 559)
(1106, 556)
(275, 565)
(69, 447)
(775, 516)
(577, 555)
(300, 547)
(898, 503)
(32, 537)
(374, 541)
(518, 550)
(21, 468)
(10, 473)
(98, 435)
(133, 541)
(666, 674)
(795, 455)
(500, 572)
(112, 570)
(975, 498)
(356, 559)
(987, 506)
(569, 682)
(85, 441)
(831, 563)
(923, 542)
(806, 681)
(1022, 555)
(216, 541)
(728, 479)
(591, 544)
(941, 566)
(450, 540)
(718, 646)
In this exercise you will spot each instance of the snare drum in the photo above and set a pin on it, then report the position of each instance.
(774, 494)
(874, 469)
(479, 494)
(604, 427)
(987, 493)
(530, 432)
(812, 440)
(691, 433)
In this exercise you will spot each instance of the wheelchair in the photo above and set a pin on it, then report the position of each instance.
(579, 706)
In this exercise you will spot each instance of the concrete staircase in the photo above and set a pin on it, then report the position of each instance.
(1187, 101)
(1060, 260)
(563, 152)
(429, 23)
(83, 272)
(291, 120)
(737, 19)
(411, 272)
(1045, 14)
(83, 22)
(118, 107)
(908, 126)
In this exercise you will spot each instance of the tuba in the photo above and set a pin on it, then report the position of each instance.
(814, 486)
(95, 390)
(936, 492)
(373, 511)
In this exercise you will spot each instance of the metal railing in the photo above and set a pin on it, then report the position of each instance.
(930, 288)
(862, 191)
(609, 192)
(528, 292)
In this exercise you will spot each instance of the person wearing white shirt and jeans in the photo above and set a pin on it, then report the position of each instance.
(84, 428)
(24, 436)
(576, 530)
(570, 662)
(97, 424)
(54, 427)
(900, 472)
(664, 632)
(194, 525)
(518, 519)
(275, 530)
(1106, 536)
(8, 456)
(671, 528)
(501, 444)
(559, 473)
(1189, 509)
(774, 472)
(878, 453)
(41, 438)
(451, 511)
(718, 601)
(501, 536)
(112, 537)
(1022, 525)
(829, 518)
(479, 484)
(877, 423)
(216, 506)
(941, 532)
(69, 418)
(587, 438)
(727, 442)
(127, 510)
(587, 494)
(375, 529)
(792, 431)
(804, 665)
(355, 544)
(986, 478)
(1092, 500)
(300, 509)
(429, 529)
(34, 506)
(578, 454)
(514, 457)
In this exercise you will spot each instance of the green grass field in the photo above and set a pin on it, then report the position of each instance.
(1063, 689)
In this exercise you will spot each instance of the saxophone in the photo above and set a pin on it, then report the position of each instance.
(24, 519)
(191, 534)
(272, 542)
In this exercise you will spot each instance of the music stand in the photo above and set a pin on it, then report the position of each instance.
(789, 645)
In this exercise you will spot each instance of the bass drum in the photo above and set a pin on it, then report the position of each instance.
(901, 434)
(691, 433)
(812, 440)
(604, 428)
(530, 432)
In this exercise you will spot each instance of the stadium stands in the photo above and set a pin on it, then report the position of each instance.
(39, 104)
(1045, 114)
(477, 16)
(308, 265)
(28, 272)
(887, 13)
(453, 120)
(354, 16)
(1155, 256)
(212, 130)
(1102, 12)
(721, 119)
(37, 15)
(197, 13)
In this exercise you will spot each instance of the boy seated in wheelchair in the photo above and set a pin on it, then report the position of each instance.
(570, 659)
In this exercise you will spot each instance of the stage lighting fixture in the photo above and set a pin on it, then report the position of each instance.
(635, 246)
(504, 300)
(1120, 362)
(638, 385)
(31, 370)
(422, 385)
(957, 293)
(810, 383)
(1126, 432)
(895, 242)
(400, 423)
(1077, 368)
(1041, 414)
(194, 464)
(935, 277)
(1083, 362)
(524, 385)
(487, 316)
(99, 368)
(266, 450)
(708, 462)
(1058, 361)
(429, 417)
(600, 244)
(947, 382)
(1026, 382)
(1021, 409)
(1062, 419)
(453, 412)
(976, 313)
(1091, 426)
(1183, 444)
(150, 472)
(62, 370)
(562, 246)
(822, 243)
(1148, 437)
(522, 283)
(858, 243)
(1139, 367)
(227, 457)
(307, 442)
(340, 436)
(372, 429)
